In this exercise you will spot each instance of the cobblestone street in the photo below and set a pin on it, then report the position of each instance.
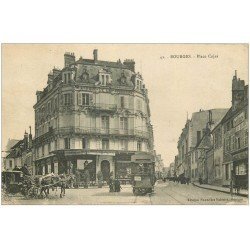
(168, 193)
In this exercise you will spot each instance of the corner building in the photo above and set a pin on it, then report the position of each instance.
(92, 115)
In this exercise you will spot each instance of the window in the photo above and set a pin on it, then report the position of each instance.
(11, 164)
(42, 150)
(56, 103)
(238, 142)
(49, 107)
(67, 143)
(84, 143)
(124, 123)
(227, 171)
(240, 170)
(107, 79)
(138, 105)
(105, 122)
(124, 144)
(103, 80)
(105, 144)
(85, 99)
(67, 99)
(49, 147)
(122, 102)
(55, 144)
(138, 146)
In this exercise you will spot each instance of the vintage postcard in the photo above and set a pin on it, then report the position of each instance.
(151, 124)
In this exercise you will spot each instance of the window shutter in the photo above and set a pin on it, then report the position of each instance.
(91, 98)
(71, 98)
(61, 101)
(79, 98)
(125, 101)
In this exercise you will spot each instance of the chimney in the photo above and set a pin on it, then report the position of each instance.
(50, 77)
(38, 95)
(30, 138)
(56, 72)
(95, 54)
(130, 64)
(25, 140)
(69, 58)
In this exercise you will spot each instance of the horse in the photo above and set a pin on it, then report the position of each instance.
(54, 181)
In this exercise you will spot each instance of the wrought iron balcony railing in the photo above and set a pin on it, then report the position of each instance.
(103, 106)
(102, 131)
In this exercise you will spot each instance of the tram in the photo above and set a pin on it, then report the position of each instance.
(142, 173)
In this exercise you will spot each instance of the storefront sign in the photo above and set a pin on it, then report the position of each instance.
(123, 157)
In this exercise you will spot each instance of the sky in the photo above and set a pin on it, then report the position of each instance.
(177, 87)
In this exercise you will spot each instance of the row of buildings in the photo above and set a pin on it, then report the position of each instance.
(92, 114)
(213, 145)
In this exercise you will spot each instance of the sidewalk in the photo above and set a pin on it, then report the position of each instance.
(226, 190)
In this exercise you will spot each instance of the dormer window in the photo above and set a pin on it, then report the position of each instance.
(104, 77)
(66, 77)
(138, 82)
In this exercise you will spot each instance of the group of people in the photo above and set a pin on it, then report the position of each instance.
(114, 185)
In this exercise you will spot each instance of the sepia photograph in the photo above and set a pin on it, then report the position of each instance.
(124, 124)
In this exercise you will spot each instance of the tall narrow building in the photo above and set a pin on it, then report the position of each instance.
(92, 115)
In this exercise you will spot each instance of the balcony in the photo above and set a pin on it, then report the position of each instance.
(103, 131)
(103, 107)
(40, 139)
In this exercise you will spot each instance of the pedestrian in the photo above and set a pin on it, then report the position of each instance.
(111, 185)
(200, 180)
(117, 185)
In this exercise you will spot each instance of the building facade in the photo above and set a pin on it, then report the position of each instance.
(92, 115)
(21, 153)
(193, 132)
(235, 133)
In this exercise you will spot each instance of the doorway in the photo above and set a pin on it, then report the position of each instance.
(105, 168)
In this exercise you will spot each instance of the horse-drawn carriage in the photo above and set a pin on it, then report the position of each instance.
(12, 181)
(37, 186)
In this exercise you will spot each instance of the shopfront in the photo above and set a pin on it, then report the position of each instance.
(123, 167)
(240, 168)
